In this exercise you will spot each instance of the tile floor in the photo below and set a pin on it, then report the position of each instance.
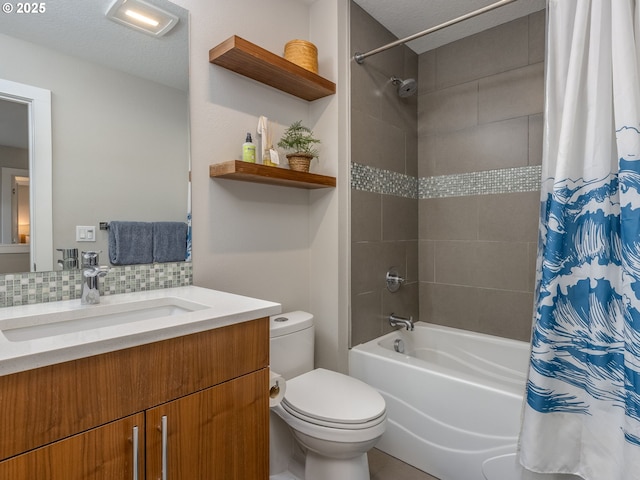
(386, 467)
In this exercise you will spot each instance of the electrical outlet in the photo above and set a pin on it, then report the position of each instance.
(85, 233)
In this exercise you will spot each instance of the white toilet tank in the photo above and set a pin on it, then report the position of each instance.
(291, 345)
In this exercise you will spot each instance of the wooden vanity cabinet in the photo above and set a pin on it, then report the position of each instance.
(104, 453)
(75, 420)
(220, 433)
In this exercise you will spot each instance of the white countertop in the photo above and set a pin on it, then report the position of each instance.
(216, 309)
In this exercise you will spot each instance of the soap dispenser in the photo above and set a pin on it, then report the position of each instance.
(248, 150)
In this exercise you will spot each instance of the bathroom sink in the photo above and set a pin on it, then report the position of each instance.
(37, 335)
(53, 324)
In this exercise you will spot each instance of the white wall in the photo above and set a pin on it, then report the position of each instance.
(270, 242)
(330, 282)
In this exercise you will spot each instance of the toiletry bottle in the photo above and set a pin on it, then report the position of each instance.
(248, 150)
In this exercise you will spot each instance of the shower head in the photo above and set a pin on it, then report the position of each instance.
(406, 88)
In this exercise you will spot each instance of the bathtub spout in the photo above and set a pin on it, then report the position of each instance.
(395, 321)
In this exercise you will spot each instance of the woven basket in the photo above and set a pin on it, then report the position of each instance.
(299, 161)
(302, 53)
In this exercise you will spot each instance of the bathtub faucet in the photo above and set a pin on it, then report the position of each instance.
(395, 321)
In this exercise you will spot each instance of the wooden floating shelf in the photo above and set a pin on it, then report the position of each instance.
(245, 58)
(251, 172)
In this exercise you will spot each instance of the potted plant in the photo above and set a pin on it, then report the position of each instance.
(299, 140)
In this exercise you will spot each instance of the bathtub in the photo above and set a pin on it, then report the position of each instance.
(454, 399)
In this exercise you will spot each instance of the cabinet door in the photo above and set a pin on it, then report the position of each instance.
(221, 433)
(103, 453)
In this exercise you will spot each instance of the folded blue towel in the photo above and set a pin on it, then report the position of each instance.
(169, 242)
(130, 243)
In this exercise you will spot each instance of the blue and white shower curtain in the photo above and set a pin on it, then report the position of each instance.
(582, 411)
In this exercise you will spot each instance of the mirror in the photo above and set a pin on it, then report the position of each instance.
(14, 169)
(119, 118)
(25, 160)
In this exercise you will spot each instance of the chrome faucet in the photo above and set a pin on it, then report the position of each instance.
(91, 272)
(396, 321)
(69, 259)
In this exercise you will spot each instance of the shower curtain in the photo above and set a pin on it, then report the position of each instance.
(582, 409)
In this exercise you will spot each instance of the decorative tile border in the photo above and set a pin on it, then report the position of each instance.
(40, 287)
(490, 182)
(376, 180)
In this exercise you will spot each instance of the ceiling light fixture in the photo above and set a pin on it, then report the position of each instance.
(142, 16)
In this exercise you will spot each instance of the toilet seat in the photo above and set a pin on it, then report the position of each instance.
(335, 425)
(331, 399)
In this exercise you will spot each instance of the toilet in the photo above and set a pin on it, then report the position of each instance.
(326, 422)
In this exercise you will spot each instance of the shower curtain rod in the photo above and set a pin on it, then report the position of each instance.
(359, 57)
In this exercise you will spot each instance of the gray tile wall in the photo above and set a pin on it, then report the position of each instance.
(467, 245)
(480, 112)
(384, 226)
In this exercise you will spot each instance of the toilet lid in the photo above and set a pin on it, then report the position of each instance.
(332, 397)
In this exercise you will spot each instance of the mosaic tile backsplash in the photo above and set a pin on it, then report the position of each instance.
(41, 287)
(508, 180)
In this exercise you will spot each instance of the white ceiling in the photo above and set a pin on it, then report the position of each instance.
(404, 18)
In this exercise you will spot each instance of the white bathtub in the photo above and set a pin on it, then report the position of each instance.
(454, 399)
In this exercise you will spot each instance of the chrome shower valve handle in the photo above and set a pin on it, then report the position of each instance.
(394, 280)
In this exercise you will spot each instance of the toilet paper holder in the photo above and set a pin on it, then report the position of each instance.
(274, 390)
(277, 388)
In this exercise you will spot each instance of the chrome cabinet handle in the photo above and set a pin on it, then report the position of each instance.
(135, 453)
(164, 447)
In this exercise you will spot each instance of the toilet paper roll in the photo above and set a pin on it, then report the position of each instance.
(277, 387)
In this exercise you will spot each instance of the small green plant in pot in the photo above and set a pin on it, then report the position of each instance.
(299, 140)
